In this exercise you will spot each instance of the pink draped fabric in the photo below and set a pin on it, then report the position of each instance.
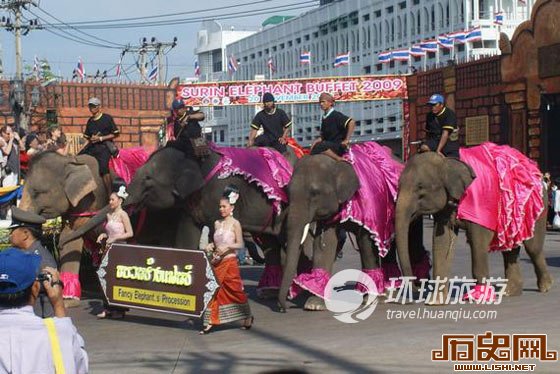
(263, 166)
(314, 282)
(72, 288)
(505, 196)
(391, 270)
(481, 293)
(373, 205)
(128, 161)
(378, 278)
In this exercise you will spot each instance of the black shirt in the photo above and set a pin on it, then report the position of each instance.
(105, 125)
(272, 123)
(192, 128)
(334, 126)
(436, 123)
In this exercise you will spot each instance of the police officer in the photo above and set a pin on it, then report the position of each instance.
(275, 124)
(442, 135)
(186, 125)
(25, 233)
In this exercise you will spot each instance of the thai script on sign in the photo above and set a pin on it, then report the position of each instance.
(294, 90)
(175, 277)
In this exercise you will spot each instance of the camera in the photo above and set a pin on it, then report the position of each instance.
(44, 276)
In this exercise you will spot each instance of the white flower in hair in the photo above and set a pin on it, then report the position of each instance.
(232, 197)
(122, 192)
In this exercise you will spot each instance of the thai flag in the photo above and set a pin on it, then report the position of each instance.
(232, 65)
(384, 57)
(305, 58)
(458, 36)
(271, 65)
(80, 69)
(401, 55)
(445, 42)
(429, 46)
(474, 35)
(499, 18)
(417, 51)
(196, 68)
(342, 59)
(153, 74)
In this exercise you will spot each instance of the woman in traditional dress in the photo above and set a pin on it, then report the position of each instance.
(230, 302)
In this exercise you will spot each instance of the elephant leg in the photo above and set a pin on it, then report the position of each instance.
(444, 238)
(324, 253)
(271, 277)
(513, 272)
(534, 248)
(188, 233)
(479, 239)
(70, 256)
(419, 257)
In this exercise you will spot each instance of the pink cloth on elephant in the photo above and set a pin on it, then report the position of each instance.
(271, 278)
(373, 205)
(72, 288)
(314, 282)
(128, 161)
(505, 196)
(263, 166)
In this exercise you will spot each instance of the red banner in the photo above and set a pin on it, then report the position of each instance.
(294, 91)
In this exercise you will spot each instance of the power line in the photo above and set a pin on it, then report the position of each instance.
(166, 15)
(229, 15)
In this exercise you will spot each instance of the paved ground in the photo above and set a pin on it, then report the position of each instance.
(314, 341)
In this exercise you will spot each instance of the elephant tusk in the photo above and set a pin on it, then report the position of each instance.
(305, 232)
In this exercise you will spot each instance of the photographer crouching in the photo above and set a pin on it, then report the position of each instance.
(25, 233)
(31, 344)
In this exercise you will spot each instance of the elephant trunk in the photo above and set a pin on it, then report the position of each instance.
(296, 224)
(95, 221)
(405, 210)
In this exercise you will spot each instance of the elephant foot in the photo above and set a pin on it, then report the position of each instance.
(545, 283)
(267, 294)
(514, 288)
(315, 303)
(71, 303)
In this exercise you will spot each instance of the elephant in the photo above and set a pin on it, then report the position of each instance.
(318, 187)
(432, 184)
(71, 187)
(169, 179)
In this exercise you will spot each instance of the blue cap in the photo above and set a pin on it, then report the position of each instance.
(177, 104)
(436, 99)
(18, 270)
(268, 98)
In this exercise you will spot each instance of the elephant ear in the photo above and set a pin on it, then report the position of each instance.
(458, 176)
(188, 181)
(78, 183)
(346, 181)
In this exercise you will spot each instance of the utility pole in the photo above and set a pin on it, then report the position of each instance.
(158, 50)
(15, 7)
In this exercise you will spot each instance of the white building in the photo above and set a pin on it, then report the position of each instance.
(364, 28)
(212, 40)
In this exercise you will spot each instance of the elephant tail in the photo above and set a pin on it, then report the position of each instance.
(89, 225)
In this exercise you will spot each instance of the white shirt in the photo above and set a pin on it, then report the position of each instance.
(25, 346)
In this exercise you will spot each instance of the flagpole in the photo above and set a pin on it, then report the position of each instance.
(348, 63)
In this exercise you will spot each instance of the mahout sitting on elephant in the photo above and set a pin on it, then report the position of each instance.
(331, 193)
(503, 180)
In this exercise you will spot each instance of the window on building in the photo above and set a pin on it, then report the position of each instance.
(298, 40)
(392, 64)
(344, 25)
(366, 17)
(380, 120)
(355, 21)
(369, 121)
(379, 67)
(245, 58)
(389, 10)
(403, 63)
(402, 5)
(290, 43)
(431, 55)
(369, 132)
(222, 136)
(392, 128)
(367, 69)
(461, 47)
(266, 51)
(392, 118)
(282, 45)
(274, 49)
(358, 123)
(260, 53)
(377, 13)
(415, 2)
(446, 52)
(379, 130)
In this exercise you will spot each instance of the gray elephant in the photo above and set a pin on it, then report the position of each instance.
(318, 187)
(71, 187)
(431, 184)
(169, 179)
